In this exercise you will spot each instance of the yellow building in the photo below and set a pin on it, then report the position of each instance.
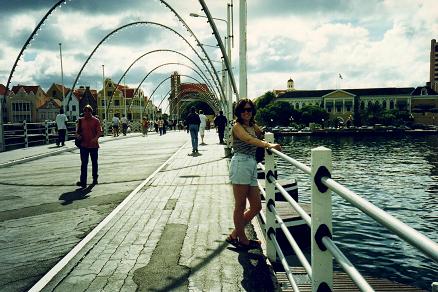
(123, 100)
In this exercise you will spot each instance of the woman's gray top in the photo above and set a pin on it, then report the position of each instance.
(240, 146)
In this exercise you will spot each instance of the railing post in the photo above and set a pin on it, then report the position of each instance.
(46, 125)
(270, 200)
(26, 140)
(435, 287)
(322, 263)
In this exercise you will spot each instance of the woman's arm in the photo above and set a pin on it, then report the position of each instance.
(240, 133)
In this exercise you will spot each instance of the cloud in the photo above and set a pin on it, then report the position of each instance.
(373, 44)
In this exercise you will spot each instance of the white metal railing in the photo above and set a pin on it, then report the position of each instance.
(323, 248)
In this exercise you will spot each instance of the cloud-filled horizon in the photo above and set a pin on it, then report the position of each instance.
(371, 44)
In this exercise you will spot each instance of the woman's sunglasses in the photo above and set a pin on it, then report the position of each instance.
(247, 109)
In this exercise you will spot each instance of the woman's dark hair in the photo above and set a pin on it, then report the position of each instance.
(240, 108)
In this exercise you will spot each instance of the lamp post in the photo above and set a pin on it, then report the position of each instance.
(104, 102)
(228, 38)
(62, 71)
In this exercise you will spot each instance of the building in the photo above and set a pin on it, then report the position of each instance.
(341, 103)
(3, 108)
(23, 101)
(424, 105)
(434, 65)
(71, 106)
(184, 93)
(49, 110)
(122, 99)
(86, 95)
(58, 91)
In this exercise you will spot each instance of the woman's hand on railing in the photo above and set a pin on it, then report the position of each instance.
(274, 146)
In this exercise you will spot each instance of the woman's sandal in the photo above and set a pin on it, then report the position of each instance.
(233, 241)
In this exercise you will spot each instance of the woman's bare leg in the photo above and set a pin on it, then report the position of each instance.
(240, 194)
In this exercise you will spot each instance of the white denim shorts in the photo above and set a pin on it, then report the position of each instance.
(201, 130)
(243, 170)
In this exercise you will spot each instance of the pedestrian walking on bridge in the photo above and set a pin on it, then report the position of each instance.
(61, 124)
(89, 131)
(192, 122)
(220, 122)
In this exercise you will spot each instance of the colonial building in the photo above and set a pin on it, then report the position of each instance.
(123, 99)
(341, 102)
(86, 96)
(58, 91)
(22, 103)
(49, 110)
(183, 93)
(71, 106)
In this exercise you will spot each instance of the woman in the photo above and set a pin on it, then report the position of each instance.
(243, 172)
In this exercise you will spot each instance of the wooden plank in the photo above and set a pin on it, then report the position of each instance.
(343, 283)
(286, 211)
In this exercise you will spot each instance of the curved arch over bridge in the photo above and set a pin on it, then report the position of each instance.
(155, 51)
(165, 64)
(30, 38)
(220, 90)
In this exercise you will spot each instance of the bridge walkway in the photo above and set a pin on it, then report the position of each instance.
(170, 234)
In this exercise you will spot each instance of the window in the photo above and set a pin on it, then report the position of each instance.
(116, 102)
(73, 108)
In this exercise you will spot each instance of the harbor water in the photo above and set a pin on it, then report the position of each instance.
(398, 175)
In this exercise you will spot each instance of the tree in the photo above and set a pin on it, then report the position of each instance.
(265, 100)
(313, 114)
(276, 113)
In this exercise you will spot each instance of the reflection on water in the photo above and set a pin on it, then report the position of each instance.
(400, 176)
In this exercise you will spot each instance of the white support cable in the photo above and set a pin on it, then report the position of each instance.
(294, 162)
(293, 243)
(285, 264)
(348, 267)
(404, 231)
(303, 214)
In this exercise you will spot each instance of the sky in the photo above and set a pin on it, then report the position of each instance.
(374, 43)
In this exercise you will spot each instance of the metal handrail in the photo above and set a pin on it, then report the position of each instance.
(292, 241)
(405, 232)
(348, 267)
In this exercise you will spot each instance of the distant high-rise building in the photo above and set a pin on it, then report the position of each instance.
(434, 65)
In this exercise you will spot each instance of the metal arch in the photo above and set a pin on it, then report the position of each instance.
(29, 39)
(213, 106)
(203, 50)
(155, 51)
(150, 97)
(147, 75)
(127, 25)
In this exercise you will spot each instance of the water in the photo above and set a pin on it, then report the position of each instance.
(398, 175)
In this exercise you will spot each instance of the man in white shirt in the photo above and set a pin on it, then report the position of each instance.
(115, 126)
(61, 124)
(202, 125)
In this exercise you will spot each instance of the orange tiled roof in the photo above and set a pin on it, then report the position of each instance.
(27, 89)
(193, 87)
(2, 89)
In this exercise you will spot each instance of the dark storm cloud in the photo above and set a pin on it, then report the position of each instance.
(17, 6)
(88, 6)
(282, 7)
